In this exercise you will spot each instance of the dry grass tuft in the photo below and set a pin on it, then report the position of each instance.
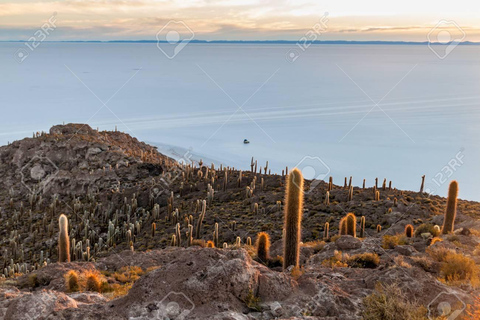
(388, 303)
(128, 274)
(390, 242)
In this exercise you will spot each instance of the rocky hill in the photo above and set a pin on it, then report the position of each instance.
(134, 223)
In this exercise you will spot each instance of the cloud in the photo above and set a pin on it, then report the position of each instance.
(222, 19)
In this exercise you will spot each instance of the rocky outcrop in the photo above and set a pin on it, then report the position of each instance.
(208, 283)
(74, 159)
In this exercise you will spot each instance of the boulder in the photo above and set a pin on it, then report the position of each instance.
(346, 243)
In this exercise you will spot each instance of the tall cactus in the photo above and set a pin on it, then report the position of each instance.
(293, 218)
(451, 212)
(362, 227)
(342, 227)
(326, 230)
(200, 219)
(215, 239)
(63, 240)
(350, 194)
(422, 186)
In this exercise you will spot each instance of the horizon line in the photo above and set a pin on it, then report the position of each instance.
(264, 42)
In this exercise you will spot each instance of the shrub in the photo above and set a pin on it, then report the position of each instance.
(252, 302)
(275, 262)
(71, 281)
(364, 260)
(400, 261)
(473, 311)
(315, 245)
(334, 238)
(388, 303)
(390, 242)
(438, 253)
(128, 274)
(458, 268)
(336, 261)
(427, 227)
(297, 272)
(425, 263)
(33, 280)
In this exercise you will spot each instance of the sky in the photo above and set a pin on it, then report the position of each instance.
(406, 20)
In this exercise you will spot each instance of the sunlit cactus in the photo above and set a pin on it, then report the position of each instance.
(293, 218)
(451, 211)
(63, 240)
(409, 230)
(263, 247)
(362, 227)
(351, 222)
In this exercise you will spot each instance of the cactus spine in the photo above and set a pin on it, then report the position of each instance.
(63, 240)
(293, 218)
(451, 212)
(263, 247)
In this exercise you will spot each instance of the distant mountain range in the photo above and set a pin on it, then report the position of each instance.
(265, 42)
